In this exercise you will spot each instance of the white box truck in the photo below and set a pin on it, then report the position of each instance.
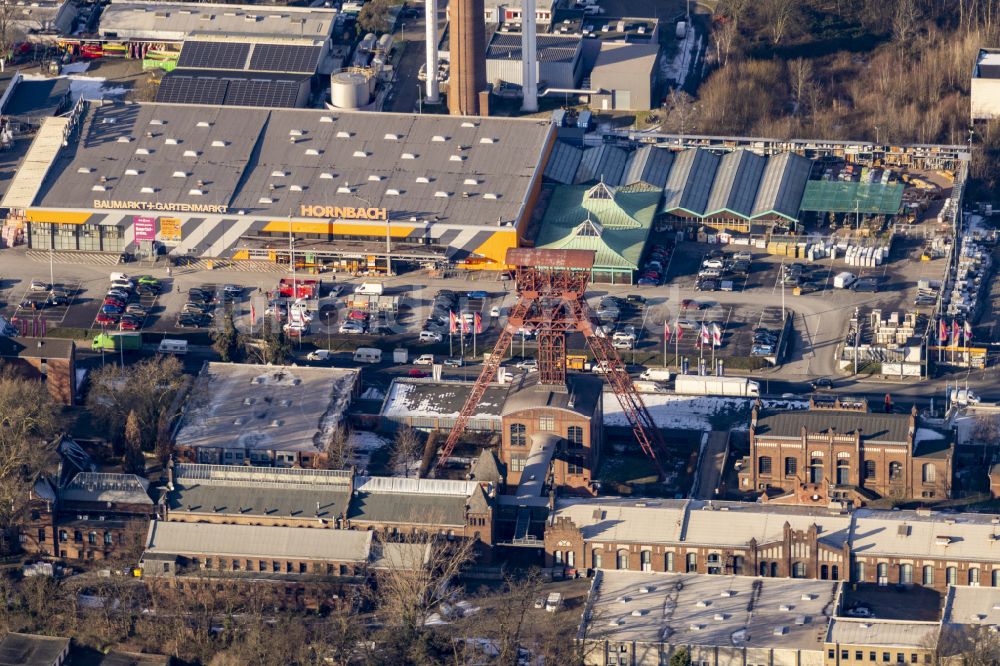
(656, 375)
(367, 355)
(844, 280)
(706, 385)
(369, 289)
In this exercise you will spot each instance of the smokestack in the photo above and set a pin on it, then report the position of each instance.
(431, 34)
(529, 42)
(468, 57)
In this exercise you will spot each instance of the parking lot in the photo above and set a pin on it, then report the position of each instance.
(36, 304)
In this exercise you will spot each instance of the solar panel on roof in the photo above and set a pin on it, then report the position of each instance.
(261, 92)
(192, 90)
(214, 55)
(285, 58)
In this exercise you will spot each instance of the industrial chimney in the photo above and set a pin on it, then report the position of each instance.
(431, 34)
(468, 57)
(529, 42)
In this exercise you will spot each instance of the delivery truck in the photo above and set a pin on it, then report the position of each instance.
(130, 341)
(706, 385)
(656, 375)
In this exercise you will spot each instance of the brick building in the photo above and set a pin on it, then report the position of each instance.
(303, 567)
(52, 360)
(853, 642)
(685, 536)
(93, 516)
(558, 423)
(331, 499)
(843, 452)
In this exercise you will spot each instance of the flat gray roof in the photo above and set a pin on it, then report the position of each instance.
(549, 48)
(264, 407)
(735, 186)
(972, 605)
(175, 21)
(444, 399)
(710, 610)
(883, 633)
(32, 649)
(690, 180)
(422, 168)
(874, 427)
(103, 487)
(252, 541)
(918, 534)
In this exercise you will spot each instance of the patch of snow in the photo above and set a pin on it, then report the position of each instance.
(372, 394)
(78, 67)
(678, 68)
(92, 88)
(364, 440)
(927, 435)
(685, 412)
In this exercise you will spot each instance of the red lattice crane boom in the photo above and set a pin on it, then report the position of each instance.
(551, 286)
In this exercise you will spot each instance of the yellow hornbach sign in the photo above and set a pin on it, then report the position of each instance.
(344, 213)
(112, 204)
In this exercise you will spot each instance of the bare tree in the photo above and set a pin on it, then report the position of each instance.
(966, 644)
(133, 461)
(28, 423)
(405, 448)
(340, 449)
(905, 21)
(800, 73)
(726, 37)
(781, 16)
(680, 113)
(11, 30)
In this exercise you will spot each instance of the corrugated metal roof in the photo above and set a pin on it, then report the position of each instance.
(407, 508)
(281, 501)
(251, 541)
(735, 187)
(690, 181)
(32, 650)
(30, 175)
(605, 163)
(563, 163)
(395, 484)
(972, 605)
(734, 523)
(882, 633)
(618, 520)
(782, 186)
(550, 48)
(100, 487)
(874, 427)
(649, 165)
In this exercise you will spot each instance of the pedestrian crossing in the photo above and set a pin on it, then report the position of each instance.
(79, 258)
(111, 259)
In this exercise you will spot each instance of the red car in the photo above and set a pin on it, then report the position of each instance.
(418, 373)
(687, 303)
(356, 315)
(114, 301)
(129, 324)
(105, 319)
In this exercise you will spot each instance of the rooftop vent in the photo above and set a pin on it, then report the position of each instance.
(326, 175)
(704, 603)
(786, 607)
(124, 139)
(800, 620)
(343, 134)
(646, 589)
(616, 622)
(696, 627)
(943, 540)
(218, 143)
(638, 612)
(172, 142)
(487, 139)
(720, 617)
(779, 631)
(180, 174)
(807, 597)
(423, 179)
(238, 421)
(249, 401)
(903, 530)
(313, 151)
(727, 593)
(408, 156)
(84, 170)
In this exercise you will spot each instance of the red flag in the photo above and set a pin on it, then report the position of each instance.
(968, 332)
(942, 331)
(478, 319)
(955, 331)
(452, 323)
(666, 331)
(680, 332)
(704, 335)
(253, 313)
(716, 335)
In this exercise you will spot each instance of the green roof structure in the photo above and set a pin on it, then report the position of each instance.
(839, 197)
(614, 223)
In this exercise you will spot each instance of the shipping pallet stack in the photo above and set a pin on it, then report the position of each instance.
(12, 234)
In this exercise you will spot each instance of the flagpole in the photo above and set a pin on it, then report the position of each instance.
(664, 343)
(677, 345)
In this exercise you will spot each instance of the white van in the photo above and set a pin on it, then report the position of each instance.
(120, 276)
(367, 355)
(369, 289)
(178, 347)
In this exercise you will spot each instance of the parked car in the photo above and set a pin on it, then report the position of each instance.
(417, 373)
(529, 364)
(706, 285)
(495, 311)
(129, 323)
(454, 362)
(136, 309)
(113, 300)
(38, 285)
(119, 293)
(319, 355)
(199, 308)
(232, 290)
(193, 321)
(112, 308)
(822, 384)
(647, 282)
(296, 328)
(713, 263)
(866, 284)
(57, 299)
(688, 324)
(148, 279)
(480, 294)
(350, 328)
(199, 296)
(105, 319)
(144, 289)
(761, 350)
(430, 336)
(424, 359)
(688, 303)
(635, 300)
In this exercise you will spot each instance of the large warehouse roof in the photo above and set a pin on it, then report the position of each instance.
(690, 181)
(436, 168)
(840, 197)
(177, 21)
(549, 48)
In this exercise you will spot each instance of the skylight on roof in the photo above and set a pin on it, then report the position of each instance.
(423, 179)
(157, 121)
(84, 170)
(391, 137)
(296, 188)
(98, 188)
(218, 143)
(296, 132)
(360, 153)
(196, 192)
(343, 134)
(172, 141)
(344, 189)
(142, 151)
(392, 192)
(491, 195)
(314, 152)
(456, 158)
(438, 138)
(408, 156)
(278, 174)
(265, 200)
(124, 139)
(148, 190)
(375, 178)
(180, 174)
(468, 123)
(326, 119)
(203, 123)
(470, 181)
(487, 139)
(441, 194)
(326, 175)
(131, 172)
(190, 153)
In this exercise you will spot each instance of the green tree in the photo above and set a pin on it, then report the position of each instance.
(680, 657)
(226, 340)
(374, 17)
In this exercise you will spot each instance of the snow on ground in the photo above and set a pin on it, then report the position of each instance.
(372, 394)
(92, 88)
(685, 412)
(677, 69)
(926, 435)
(78, 67)
(364, 440)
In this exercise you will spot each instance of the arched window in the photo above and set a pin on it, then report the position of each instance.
(764, 465)
(799, 570)
(738, 565)
(843, 472)
(714, 563)
(791, 466)
(995, 578)
(517, 434)
(558, 557)
(951, 576)
(646, 560)
(574, 435)
(882, 573)
(774, 569)
(869, 470)
(622, 559)
(597, 559)
(835, 572)
(929, 576)
(929, 473)
(763, 568)
(895, 471)
(670, 560)
(692, 563)
(906, 574)
(859, 572)
(816, 470)
(571, 558)
(974, 577)
(824, 572)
